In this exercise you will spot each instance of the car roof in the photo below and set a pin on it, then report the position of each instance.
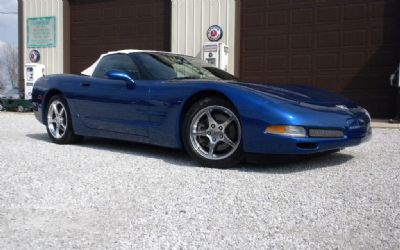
(89, 71)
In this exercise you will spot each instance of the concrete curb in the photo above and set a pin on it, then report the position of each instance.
(382, 123)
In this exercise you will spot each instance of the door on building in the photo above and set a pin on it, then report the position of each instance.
(99, 26)
(349, 47)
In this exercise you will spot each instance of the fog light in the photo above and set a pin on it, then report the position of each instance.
(294, 131)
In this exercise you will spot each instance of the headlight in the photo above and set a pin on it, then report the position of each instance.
(294, 131)
(366, 113)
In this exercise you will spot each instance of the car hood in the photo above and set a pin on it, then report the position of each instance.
(297, 93)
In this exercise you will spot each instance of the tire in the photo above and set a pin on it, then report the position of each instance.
(58, 121)
(212, 133)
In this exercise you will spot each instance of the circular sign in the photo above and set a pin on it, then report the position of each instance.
(34, 56)
(214, 33)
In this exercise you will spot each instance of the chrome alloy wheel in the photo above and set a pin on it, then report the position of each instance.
(215, 132)
(57, 119)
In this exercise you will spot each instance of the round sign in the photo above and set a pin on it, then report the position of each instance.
(214, 33)
(34, 56)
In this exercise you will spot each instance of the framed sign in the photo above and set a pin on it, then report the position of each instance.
(34, 56)
(215, 33)
(41, 32)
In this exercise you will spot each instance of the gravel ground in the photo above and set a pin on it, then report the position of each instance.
(108, 194)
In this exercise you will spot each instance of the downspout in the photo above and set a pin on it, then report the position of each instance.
(238, 29)
(66, 36)
(21, 74)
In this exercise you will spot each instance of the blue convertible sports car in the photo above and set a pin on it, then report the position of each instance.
(181, 102)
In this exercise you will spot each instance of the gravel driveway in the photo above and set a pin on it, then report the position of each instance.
(108, 194)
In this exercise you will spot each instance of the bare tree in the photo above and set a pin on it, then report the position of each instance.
(1, 86)
(9, 64)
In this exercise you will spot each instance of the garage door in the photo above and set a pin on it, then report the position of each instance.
(98, 26)
(349, 47)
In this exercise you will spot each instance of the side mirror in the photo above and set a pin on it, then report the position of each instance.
(121, 75)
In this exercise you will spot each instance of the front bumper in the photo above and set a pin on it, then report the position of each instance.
(278, 144)
(275, 144)
(38, 111)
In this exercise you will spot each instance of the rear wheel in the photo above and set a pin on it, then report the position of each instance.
(212, 133)
(59, 124)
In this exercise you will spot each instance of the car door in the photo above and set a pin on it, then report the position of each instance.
(111, 105)
(165, 97)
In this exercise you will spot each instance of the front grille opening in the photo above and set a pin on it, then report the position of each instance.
(307, 145)
(326, 133)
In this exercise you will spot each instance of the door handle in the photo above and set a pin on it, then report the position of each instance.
(85, 84)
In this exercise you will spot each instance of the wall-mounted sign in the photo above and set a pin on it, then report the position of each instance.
(215, 33)
(34, 56)
(41, 32)
(210, 48)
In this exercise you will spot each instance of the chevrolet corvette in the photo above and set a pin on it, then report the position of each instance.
(178, 101)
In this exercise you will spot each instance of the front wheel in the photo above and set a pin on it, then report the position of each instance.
(58, 122)
(212, 133)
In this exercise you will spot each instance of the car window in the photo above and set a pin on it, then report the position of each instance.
(161, 66)
(116, 62)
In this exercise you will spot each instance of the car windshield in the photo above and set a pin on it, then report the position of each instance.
(13, 92)
(163, 66)
(211, 68)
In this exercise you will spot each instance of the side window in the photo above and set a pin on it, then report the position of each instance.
(117, 62)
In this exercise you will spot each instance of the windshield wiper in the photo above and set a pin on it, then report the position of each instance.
(185, 78)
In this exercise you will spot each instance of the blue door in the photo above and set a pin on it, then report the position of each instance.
(111, 105)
